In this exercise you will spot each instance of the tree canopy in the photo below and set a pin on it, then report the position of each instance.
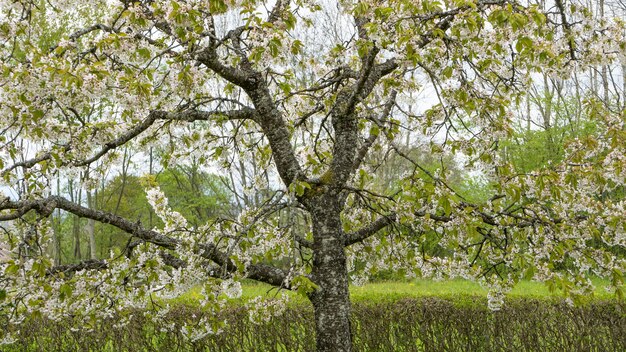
(306, 103)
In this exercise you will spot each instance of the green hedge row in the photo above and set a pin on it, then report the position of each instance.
(415, 324)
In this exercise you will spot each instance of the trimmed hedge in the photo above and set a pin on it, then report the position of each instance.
(405, 324)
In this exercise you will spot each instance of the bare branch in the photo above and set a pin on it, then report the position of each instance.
(489, 219)
(362, 152)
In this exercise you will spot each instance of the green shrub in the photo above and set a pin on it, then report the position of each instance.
(404, 324)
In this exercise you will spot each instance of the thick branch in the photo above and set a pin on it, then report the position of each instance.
(90, 264)
(121, 140)
(345, 121)
(269, 116)
(241, 78)
(303, 241)
(74, 36)
(31, 162)
(278, 10)
(370, 230)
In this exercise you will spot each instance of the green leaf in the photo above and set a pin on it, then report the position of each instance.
(274, 45)
(65, 291)
(37, 114)
(217, 152)
(304, 284)
(374, 130)
(257, 54)
(296, 47)
(12, 269)
(524, 43)
(285, 87)
(39, 268)
(217, 6)
(383, 12)
(301, 187)
(444, 202)
(144, 53)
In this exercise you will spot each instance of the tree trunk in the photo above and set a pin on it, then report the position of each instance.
(623, 85)
(75, 198)
(56, 230)
(91, 227)
(56, 240)
(331, 300)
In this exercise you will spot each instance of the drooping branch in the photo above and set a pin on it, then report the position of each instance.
(188, 116)
(111, 29)
(492, 220)
(488, 219)
(27, 164)
(260, 272)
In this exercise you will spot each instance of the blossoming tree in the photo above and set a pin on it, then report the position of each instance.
(312, 91)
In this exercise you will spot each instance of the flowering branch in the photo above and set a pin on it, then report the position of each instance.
(260, 272)
(186, 116)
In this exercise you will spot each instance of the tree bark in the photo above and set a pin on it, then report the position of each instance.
(331, 299)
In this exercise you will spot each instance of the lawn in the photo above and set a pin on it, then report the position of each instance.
(415, 289)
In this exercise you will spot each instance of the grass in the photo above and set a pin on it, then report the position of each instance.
(412, 289)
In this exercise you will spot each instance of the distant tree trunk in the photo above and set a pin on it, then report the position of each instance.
(151, 172)
(56, 240)
(125, 165)
(56, 230)
(75, 198)
(623, 85)
(91, 226)
(604, 75)
(528, 117)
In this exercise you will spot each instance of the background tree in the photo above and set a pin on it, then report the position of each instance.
(301, 94)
